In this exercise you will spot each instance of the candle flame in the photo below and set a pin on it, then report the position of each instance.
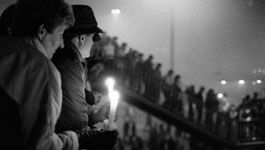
(110, 82)
(114, 96)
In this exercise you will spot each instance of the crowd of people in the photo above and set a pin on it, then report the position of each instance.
(200, 107)
(153, 135)
(53, 60)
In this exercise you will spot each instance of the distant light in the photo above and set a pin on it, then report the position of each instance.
(220, 95)
(248, 119)
(260, 70)
(223, 82)
(259, 81)
(115, 11)
(254, 71)
(241, 82)
(247, 111)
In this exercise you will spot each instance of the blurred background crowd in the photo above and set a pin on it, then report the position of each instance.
(203, 107)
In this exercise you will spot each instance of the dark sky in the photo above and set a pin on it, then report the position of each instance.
(214, 39)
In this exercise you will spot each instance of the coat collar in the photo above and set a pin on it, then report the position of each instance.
(37, 44)
(71, 46)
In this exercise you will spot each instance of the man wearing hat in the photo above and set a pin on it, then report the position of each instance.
(70, 61)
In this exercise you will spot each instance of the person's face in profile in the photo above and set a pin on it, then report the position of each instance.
(87, 43)
(51, 41)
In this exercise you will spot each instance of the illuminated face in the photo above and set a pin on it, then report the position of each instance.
(51, 41)
(87, 43)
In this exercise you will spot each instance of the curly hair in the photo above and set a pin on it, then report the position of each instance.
(31, 14)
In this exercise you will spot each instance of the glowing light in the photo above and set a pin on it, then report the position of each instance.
(259, 81)
(220, 95)
(114, 96)
(248, 119)
(241, 82)
(110, 82)
(115, 11)
(223, 82)
(114, 99)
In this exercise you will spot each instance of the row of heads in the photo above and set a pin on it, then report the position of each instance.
(24, 18)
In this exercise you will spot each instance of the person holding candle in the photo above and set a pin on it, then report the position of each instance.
(70, 61)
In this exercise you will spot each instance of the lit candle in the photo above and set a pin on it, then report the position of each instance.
(114, 99)
(110, 82)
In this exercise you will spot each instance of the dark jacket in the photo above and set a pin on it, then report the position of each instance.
(75, 108)
(73, 73)
(31, 87)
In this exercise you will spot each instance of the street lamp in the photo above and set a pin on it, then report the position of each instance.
(241, 82)
(223, 82)
(115, 12)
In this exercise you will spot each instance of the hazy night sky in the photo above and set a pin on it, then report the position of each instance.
(214, 39)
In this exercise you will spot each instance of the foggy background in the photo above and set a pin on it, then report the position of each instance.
(213, 40)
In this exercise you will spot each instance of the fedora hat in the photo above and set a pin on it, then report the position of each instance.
(85, 21)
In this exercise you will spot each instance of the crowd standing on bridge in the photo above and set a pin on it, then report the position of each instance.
(57, 104)
(200, 107)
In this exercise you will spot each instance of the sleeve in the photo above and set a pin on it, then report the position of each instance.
(35, 85)
(67, 140)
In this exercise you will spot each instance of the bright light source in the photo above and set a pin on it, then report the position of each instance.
(241, 82)
(109, 82)
(259, 81)
(220, 95)
(248, 119)
(115, 11)
(114, 99)
(223, 82)
(114, 96)
(118, 11)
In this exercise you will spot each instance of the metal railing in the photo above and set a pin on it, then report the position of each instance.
(150, 86)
